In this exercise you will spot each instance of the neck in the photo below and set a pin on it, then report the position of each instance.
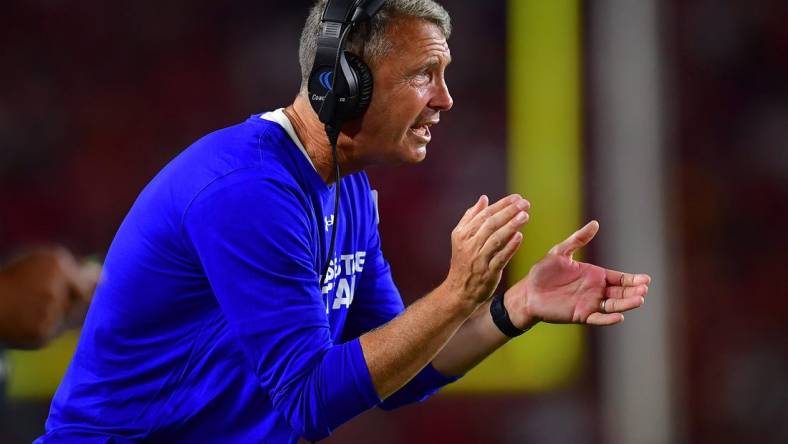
(312, 134)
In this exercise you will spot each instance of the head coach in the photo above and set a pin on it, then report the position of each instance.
(245, 296)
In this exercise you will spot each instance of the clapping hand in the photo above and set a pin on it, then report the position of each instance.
(483, 242)
(561, 290)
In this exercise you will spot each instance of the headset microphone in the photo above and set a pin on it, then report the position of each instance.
(340, 84)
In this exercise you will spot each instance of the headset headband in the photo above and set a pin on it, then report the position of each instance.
(351, 11)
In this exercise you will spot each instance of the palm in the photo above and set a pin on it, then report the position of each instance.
(560, 290)
(567, 290)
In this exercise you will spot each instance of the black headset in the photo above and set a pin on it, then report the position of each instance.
(340, 84)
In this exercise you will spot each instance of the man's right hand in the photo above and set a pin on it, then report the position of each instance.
(39, 293)
(483, 242)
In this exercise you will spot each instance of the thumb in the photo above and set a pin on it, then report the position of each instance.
(577, 240)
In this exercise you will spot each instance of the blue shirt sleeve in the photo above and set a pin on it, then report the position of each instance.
(253, 237)
(377, 302)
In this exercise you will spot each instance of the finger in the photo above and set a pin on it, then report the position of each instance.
(622, 305)
(507, 220)
(577, 240)
(603, 319)
(626, 279)
(482, 216)
(499, 239)
(502, 258)
(472, 211)
(626, 292)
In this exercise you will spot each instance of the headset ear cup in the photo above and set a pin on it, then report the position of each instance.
(364, 77)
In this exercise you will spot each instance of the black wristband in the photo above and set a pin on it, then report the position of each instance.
(501, 318)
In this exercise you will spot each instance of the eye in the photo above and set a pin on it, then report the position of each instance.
(424, 76)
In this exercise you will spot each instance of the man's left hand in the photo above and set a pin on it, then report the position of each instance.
(560, 290)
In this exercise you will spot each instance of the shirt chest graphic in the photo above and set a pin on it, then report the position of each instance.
(340, 286)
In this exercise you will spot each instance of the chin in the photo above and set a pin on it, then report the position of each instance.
(409, 156)
(420, 153)
(414, 157)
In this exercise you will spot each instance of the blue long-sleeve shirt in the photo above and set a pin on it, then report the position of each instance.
(210, 324)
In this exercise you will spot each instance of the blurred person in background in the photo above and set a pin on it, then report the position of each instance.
(42, 293)
(214, 322)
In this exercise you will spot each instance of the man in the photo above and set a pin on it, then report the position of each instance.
(212, 325)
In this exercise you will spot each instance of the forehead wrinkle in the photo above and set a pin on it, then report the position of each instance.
(435, 52)
(428, 41)
(427, 32)
(423, 46)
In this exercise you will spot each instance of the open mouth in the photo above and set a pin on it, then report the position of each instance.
(422, 130)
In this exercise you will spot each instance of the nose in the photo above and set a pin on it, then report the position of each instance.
(442, 100)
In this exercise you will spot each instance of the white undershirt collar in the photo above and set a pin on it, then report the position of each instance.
(278, 116)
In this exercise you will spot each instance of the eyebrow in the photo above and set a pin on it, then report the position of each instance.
(432, 62)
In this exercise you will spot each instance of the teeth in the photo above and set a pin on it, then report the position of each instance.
(421, 130)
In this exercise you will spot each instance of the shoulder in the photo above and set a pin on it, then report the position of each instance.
(253, 212)
(255, 143)
(253, 193)
(252, 152)
(256, 186)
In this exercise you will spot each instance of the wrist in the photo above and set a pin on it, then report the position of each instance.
(517, 307)
(458, 301)
(500, 317)
(462, 290)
